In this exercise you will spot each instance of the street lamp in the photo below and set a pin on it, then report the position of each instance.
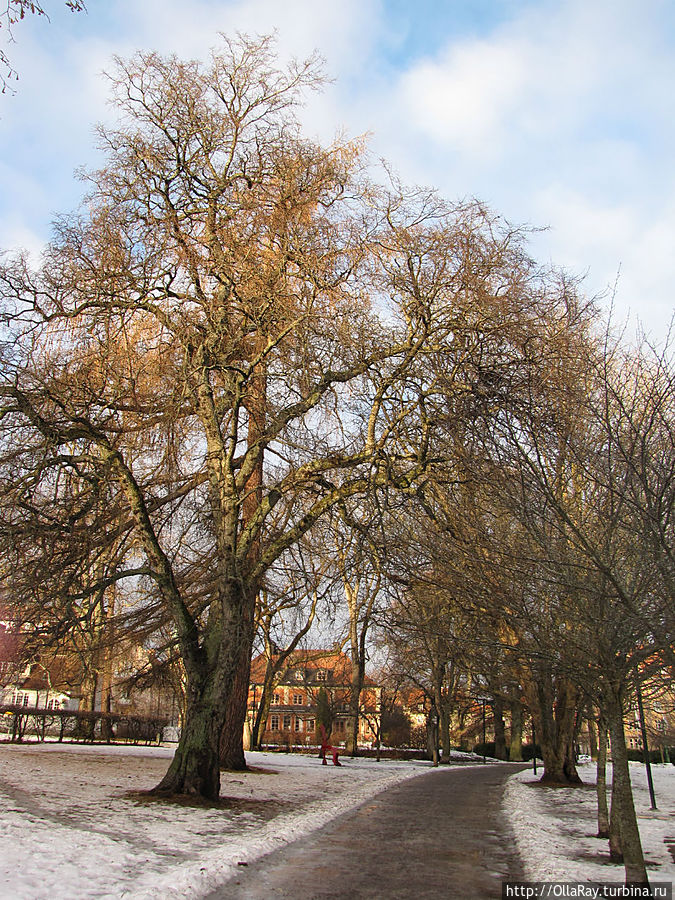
(645, 745)
(534, 748)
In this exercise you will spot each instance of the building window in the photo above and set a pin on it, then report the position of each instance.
(287, 723)
(309, 725)
(340, 725)
(17, 699)
(298, 699)
(25, 699)
(298, 725)
(276, 699)
(321, 674)
(53, 704)
(274, 723)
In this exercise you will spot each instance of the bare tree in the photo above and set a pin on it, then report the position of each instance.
(234, 336)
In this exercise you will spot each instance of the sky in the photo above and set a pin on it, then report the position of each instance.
(558, 114)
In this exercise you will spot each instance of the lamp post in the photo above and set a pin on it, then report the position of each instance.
(534, 749)
(253, 714)
(645, 745)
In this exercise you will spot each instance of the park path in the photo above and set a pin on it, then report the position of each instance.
(438, 835)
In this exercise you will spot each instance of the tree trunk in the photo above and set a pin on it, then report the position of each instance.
(263, 710)
(214, 673)
(601, 785)
(622, 798)
(352, 743)
(444, 725)
(232, 754)
(516, 746)
(499, 730)
(88, 703)
(615, 853)
(553, 710)
(357, 674)
(195, 768)
(432, 737)
(541, 707)
(232, 735)
(107, 670)
(594, 747)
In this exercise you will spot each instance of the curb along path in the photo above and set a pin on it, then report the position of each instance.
(438, 835)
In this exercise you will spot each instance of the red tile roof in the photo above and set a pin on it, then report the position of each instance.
(337, 666)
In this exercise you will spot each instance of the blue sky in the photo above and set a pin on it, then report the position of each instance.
(557, 113)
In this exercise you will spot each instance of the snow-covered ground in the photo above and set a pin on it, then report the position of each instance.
(555, 827)
(68, 830)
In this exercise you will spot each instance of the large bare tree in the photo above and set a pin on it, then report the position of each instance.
(237, 332)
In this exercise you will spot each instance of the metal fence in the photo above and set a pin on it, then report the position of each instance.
(18, 723)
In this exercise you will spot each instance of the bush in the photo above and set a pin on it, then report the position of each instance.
(654, 756)
(486, 749)
(529, 752)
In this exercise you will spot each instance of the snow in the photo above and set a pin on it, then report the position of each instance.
(68, 828)
(555, 827)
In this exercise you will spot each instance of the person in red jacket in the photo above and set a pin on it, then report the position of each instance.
(326, 745)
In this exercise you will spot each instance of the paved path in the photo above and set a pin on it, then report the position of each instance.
(438, 835)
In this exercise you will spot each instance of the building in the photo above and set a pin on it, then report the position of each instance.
(292, 713)
(31, 684)
(659, 713)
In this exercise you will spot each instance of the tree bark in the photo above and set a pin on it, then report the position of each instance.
(232, 754)
(499, 729)
(214, 674)
(516, 745)
(601, 781)
(622, 797)
(432, 737)
(357, 672)
(232, 736)
(357, 675)
(444, 725)
(195, 768)
(553, 708)
(593, 739)
(615, 853)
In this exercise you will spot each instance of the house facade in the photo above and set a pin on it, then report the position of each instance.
(31, 684)
(292, 717)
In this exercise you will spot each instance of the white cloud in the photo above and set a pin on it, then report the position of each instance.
(549, 74)
(466, 99)
(623, 253)
(47, 128)
(301, 25)
(558, 116)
